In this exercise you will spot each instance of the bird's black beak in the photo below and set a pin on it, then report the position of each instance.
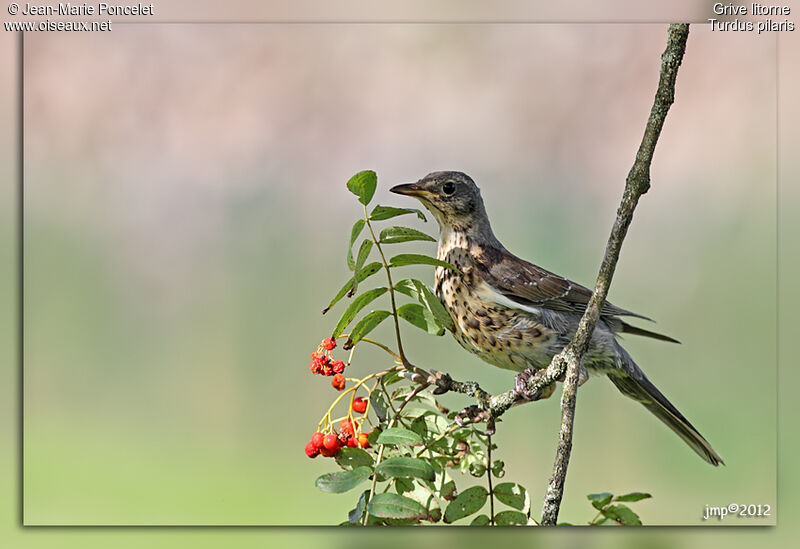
(410, 189)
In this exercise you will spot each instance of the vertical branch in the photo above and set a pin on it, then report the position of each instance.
(636, 184)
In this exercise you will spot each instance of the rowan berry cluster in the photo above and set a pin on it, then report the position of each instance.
(328, 444)
(322, 363)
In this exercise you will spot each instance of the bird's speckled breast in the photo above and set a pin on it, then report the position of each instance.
(502, 336)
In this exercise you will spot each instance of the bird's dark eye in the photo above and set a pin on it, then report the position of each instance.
(449, 188)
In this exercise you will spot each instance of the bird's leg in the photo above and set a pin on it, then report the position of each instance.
(522, 388)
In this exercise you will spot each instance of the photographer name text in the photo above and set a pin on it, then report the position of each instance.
(102, 8)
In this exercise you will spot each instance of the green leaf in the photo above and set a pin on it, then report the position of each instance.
(358, 303)
(363, 254)
(405, 467)
(600, 500)
(372, 437)
(421, 318)
(633, 496)
(363, 185)
(401, 260)
(511, 494)
(398, 435)
(365, 326)
(419, 426)
(342, 481)
(467, 502)
(402, 485)
(510, 518)
(388, 505)
(394, 235)
(363, 274)
(387, 212)
(480, 520)
(498, 469)
(378, 405)
(358, 226)
(419, 290)
(352, 458)
(354, 516)
(448, 491)
(622, 514)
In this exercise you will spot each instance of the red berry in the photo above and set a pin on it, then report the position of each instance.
(328, 453)
(311, 450)
(338, 382)
(319, 363)
(331, 442)
(337, 366)
(352, 442)
(360, 405)
(363, 440)
(328, 344)
(347, 428)
(317, 439)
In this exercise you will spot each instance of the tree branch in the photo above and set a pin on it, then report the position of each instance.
(636, 184)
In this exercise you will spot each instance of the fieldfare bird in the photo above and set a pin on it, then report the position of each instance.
(516, 315)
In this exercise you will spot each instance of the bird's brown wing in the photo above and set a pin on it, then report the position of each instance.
(530, 285)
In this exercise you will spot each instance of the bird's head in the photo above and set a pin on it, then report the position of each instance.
(452, 197)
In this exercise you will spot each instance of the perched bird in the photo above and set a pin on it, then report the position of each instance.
(516, 315)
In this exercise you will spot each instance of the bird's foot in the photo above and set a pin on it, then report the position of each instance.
(523, 389)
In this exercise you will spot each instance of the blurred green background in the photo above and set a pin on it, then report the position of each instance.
(186, 220)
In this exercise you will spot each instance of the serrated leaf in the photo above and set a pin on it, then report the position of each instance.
(402, 466)
(363, 185)
(354, 516)
(342, 481)
(622, 514)
(480, 520)
(363, 254)
(398, 435)
(352, 458)
(467, 502)
(362, 275)
(387, 212)
(510, 518)
(402, 260)
(419, 290)
(600, 500)
(358, 226)
(633, 496)
(394, 235)
(511, 494)
(358, 303)
(365, 326)
(395, 506)
(420, 317)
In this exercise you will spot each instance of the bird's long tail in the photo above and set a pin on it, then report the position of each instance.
(632, 382)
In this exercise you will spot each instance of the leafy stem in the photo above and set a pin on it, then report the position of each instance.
(391, 287)
(382, 447)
